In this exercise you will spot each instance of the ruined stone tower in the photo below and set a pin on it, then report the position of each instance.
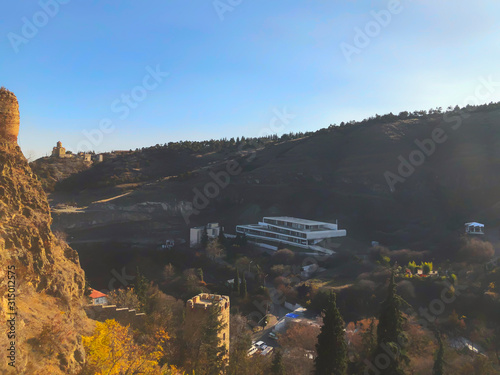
(197, 309)
(9, 116)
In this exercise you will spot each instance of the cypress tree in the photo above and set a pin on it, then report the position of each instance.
(277, 367)
(141, 289)
(331, 347)
(390, 334)
(237, 282)
(438, 368)
(243, 289)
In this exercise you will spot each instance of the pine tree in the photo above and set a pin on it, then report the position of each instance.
(438, 368)
(237, 282)
(390, 331)
(212, 355)
(243, 288)
(277, 367)
(239, 361)
(331, 346)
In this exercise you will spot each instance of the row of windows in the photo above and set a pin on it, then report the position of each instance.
(287, 231)
(270, 235)
(282, 223)
(287, 224)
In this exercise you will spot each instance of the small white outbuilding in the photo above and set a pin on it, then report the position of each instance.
(474, 228)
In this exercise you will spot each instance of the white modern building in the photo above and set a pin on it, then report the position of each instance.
(196, 233)
(474, 228)
(289, 230)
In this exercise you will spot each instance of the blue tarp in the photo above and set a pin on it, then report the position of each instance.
(292, 315)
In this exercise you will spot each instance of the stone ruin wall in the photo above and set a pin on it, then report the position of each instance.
(124, 316)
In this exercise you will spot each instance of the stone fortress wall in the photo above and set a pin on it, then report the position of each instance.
(124, 315)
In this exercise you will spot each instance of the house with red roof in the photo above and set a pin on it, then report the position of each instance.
(98, 298)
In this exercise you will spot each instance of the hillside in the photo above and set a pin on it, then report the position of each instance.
(357, 173)
(51, 170)
(42, 283)
(335, 173)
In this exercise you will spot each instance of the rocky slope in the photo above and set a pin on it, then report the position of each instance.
(49, 282)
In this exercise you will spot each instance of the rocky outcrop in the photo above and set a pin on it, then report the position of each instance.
(40, 275)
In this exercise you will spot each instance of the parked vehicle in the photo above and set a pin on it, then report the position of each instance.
(267, 350)
(259, 344)
(252, 351)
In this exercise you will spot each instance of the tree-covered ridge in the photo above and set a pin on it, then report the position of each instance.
(183, 159)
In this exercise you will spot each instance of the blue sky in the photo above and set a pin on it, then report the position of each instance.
(230, 71)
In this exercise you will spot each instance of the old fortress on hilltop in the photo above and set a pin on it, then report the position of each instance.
(60, 152)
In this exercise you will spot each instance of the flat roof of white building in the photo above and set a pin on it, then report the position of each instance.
(266, 228)
(296, 220)
(474, 224)
(208, 226)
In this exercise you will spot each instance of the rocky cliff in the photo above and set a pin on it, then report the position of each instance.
(41, 282)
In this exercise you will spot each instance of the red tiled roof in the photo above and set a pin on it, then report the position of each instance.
(96, 294)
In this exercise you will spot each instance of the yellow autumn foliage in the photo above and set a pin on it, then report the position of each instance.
(112, 350)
